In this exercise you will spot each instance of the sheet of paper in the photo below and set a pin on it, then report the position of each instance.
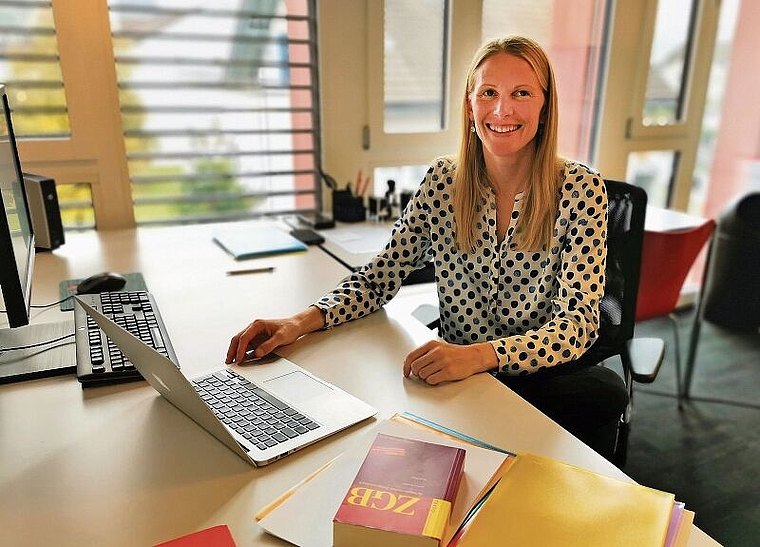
(366, 238)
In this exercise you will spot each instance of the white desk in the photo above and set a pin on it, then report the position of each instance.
(355, 244)
(118, 465)
(659, 219)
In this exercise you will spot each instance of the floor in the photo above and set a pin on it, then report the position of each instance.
(708, 453)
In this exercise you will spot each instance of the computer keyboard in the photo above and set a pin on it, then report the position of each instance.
(250, 411)
(99, 361)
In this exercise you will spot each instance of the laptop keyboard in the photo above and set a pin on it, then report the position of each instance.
(253, 413)
(99, 361)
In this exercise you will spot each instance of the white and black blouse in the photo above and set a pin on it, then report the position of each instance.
(537, 309)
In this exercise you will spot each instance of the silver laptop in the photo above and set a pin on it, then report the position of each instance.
(314, 408)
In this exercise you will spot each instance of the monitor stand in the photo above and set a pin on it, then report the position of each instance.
(37, 362)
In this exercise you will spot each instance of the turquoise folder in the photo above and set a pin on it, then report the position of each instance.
(247, 241)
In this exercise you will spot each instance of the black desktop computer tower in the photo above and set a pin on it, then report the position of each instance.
(44, 211)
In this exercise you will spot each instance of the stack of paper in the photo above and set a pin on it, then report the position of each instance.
(542, 501)
(504, 499)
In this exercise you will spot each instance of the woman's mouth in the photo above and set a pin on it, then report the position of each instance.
(503, 128)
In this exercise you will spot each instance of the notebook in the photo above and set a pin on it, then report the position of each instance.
(246, 241)
(326, 405)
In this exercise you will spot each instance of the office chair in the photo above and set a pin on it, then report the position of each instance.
(667, 258)
(640, 357)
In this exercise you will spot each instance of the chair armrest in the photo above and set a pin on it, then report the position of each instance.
(646, 356)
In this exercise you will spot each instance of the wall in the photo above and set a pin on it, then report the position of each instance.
(343, 79)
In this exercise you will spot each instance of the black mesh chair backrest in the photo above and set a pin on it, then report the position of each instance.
(625, 234)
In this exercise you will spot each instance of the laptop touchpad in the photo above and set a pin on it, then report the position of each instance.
(296, 386)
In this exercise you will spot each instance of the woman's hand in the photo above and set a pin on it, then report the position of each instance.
(263, 336)
(438, 361)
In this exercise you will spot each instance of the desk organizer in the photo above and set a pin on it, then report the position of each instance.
(347, 207)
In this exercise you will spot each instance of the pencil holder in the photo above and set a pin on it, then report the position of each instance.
(347, 207)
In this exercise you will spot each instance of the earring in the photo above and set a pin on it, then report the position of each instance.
(472, 128)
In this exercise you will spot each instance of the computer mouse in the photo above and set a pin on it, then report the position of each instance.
(102, 282)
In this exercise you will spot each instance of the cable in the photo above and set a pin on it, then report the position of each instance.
(52, 303)
(62, 300)
(38, 344)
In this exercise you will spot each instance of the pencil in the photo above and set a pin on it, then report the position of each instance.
(362, 185)
(270, 269)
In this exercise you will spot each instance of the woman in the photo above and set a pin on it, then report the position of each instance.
(518, 239)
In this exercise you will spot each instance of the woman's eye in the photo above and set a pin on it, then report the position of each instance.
(489, 93)
(522, 93)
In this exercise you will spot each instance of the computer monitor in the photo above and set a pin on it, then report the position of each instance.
(26, 351)
(16, 235)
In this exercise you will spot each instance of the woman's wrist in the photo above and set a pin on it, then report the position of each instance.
(310, 320)
(488, 360)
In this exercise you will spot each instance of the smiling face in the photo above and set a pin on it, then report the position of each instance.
(505, 104)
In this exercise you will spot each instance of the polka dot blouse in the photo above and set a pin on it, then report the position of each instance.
(537, 309)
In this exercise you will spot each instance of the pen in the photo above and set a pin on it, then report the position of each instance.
(270, 269)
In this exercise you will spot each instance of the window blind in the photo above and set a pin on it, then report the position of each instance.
(219, 107)
(29, 65)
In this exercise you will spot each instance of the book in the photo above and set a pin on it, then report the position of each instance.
(314, 501)
(403, 492)
(216, 536)
(252, 241)
(541, 501)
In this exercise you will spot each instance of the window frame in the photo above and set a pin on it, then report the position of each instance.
(94, 153)
(621, 130)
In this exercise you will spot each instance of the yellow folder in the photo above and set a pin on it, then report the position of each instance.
(543, 502)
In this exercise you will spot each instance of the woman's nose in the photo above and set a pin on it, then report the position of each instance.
(503, 107)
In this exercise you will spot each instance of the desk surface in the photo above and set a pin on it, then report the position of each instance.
(356, 244)
(118, 465)
(659, 219)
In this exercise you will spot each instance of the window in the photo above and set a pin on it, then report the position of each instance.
(219, 109)
(653, 171)
(655, 98)
(666, 86)
(166, 111)
(29, 65)
(415, 65)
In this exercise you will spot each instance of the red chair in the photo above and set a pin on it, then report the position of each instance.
(666, 259)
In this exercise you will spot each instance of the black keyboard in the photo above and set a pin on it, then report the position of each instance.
(99, 361)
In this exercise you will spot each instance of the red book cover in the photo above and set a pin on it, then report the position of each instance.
(404, 486)
(216, 536)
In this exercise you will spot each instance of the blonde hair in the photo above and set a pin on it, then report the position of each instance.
(539, 207)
